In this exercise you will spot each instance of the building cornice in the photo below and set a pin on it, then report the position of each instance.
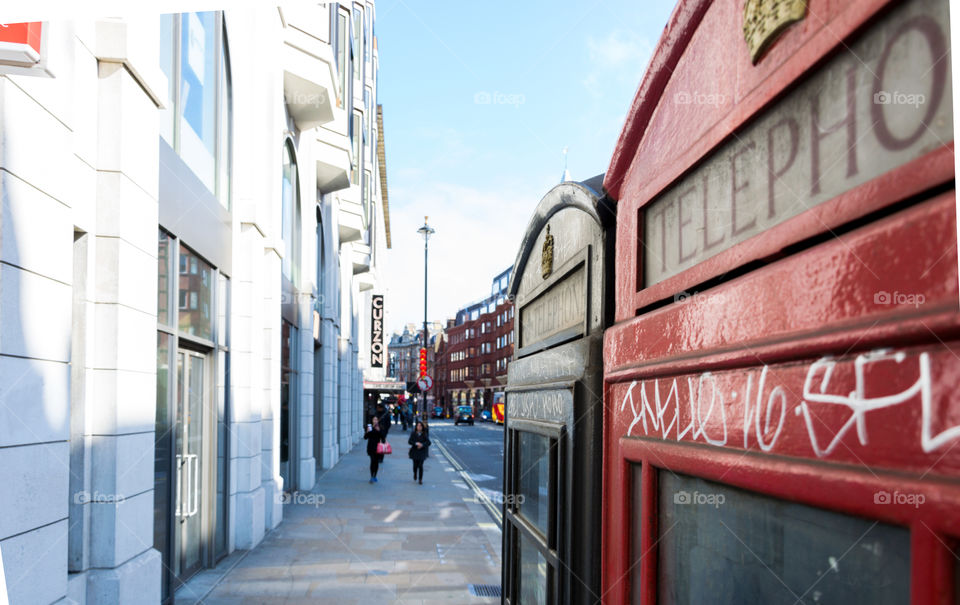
(382, 164)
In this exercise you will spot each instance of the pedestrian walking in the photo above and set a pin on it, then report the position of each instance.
(384, 416)
(419, 445)
(373, 436)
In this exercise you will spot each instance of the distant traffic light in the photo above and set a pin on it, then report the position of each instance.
(423, 362)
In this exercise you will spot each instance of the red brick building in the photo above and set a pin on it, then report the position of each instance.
(476, 349)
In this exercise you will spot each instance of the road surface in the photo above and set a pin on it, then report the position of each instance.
(477, 453)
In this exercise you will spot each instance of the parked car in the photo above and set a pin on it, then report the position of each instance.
(485, 416)
(464, 414)
(437, 412)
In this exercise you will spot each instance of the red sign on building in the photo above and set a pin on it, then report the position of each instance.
(20, 44)
(23, 49)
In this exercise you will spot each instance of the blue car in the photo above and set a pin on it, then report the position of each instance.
(464, 414)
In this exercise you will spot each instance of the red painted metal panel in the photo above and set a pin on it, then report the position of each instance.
(817, 294)
(669, 131)
(885, 409)
(850, 490)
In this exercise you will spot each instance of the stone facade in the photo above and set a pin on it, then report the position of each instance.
(101, 327)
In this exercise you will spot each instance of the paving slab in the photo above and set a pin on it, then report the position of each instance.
(393, 541)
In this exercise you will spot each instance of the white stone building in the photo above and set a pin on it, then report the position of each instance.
(193, 213)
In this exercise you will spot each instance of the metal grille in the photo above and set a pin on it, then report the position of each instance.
(484, 590)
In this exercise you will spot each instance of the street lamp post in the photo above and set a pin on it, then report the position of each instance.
(426, 231)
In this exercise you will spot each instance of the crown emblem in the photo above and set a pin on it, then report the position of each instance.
(546, 263)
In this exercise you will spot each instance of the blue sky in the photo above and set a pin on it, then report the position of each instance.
(479, 100)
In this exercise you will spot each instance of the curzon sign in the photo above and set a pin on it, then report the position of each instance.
(376, 331)
(882, 102)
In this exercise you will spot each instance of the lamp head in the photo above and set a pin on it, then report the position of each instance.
(426, 230)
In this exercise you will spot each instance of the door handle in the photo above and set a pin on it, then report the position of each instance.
(179, 491)
(195, 475)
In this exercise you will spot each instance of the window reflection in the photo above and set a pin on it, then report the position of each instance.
(195, 295)
(196, 119)
(291, 217)
(167, 62)
(533, 573)
(534, 479)
(198, 80)
(164, 251)
(719, 544)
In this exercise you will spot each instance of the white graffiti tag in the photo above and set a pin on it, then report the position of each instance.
(765, 415)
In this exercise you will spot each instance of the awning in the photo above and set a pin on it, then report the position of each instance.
(383, 385)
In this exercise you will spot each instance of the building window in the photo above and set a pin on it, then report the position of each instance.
(224, 126)
(290, 219)
(197, 120)
(367, 206)
(168, 62)
(196, 295)
(356, 134)
(367, 36)
(357, 42)
(343, 55)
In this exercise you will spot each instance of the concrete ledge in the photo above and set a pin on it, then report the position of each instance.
(136, 581)
(273, 504)
(308, 474)
(249, 518)
(76, 589)
(331, 455)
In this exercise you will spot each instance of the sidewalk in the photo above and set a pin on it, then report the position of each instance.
(348, 541)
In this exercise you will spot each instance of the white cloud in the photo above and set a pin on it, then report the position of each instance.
(618, 48)
(621, 54)
(478, 235)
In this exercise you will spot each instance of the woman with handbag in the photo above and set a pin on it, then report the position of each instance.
(419, 444)
(373, 436)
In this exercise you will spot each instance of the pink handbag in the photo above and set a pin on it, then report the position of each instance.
(384, 448)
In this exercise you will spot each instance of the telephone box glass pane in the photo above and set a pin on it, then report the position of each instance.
(533, 573)
(533, 478)
(724, 545)
(956, 575)
(636, 523)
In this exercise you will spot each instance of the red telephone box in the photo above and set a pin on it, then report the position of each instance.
(782, 383)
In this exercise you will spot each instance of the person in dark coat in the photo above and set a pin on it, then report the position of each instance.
(419, 444)
(373, 436)
(383, 415)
